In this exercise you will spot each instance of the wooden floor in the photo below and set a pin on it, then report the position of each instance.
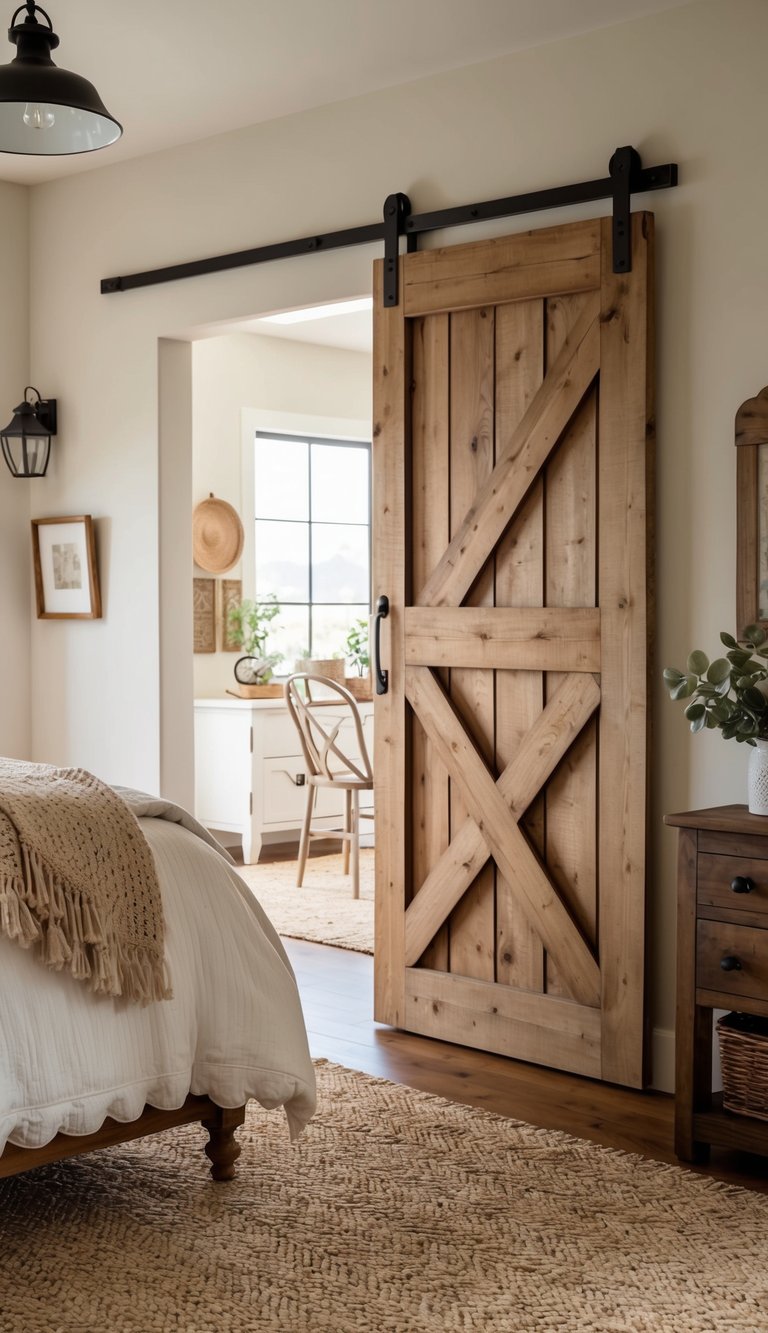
(336, 988)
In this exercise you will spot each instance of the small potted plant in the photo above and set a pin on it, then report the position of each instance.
(249, 623)
(356, 649)
(731, 695)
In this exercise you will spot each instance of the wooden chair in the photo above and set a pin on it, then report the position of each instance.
(318, 724)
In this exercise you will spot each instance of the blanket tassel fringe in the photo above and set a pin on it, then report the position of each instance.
(68, 927)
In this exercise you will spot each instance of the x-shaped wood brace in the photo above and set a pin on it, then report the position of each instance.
(491, 828)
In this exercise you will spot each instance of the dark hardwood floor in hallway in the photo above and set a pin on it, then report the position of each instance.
(337, 994)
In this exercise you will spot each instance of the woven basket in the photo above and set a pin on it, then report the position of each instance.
(744, 1060)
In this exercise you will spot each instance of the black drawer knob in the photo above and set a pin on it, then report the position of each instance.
(730, 963)
(742, 884)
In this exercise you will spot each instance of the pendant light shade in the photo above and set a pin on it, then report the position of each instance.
(46, 111)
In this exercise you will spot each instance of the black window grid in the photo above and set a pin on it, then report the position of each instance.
(309, 522)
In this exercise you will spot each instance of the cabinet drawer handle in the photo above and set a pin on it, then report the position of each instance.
(742, 884)
(730, 963)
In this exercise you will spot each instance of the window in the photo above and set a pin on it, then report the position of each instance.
(312, 541)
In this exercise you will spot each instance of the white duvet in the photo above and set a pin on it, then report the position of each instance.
(234, 1029)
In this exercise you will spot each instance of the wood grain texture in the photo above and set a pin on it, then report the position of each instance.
(472, 456)
(625, 559)
(725, 819)
(336, 991)
(529, 264)
(513, 639)
(430, 519)
(498, 499)
(571, 568)
(488, 809)
(538, 754)
(498, 1018)
(14, 1160)
(391, 741)
(519, 583)
(716, 940)
(747, 555)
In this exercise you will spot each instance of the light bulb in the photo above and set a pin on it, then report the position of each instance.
(38, 117)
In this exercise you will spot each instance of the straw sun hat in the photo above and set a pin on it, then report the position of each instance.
(217, 535)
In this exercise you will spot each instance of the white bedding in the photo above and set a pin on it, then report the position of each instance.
(234, 1029)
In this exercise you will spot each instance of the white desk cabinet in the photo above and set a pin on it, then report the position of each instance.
(250, 776)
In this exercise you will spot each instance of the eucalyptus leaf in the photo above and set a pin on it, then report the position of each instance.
(699, 723)
(695, 711)
(739, 657)
(698, 662)
(718, 671)
(755, 699)
(728, 640)
(723, 687)
(754, 634)
(672, 676)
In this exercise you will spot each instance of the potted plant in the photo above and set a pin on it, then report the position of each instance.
(731, 695)
(331, 667)
(356, 649)
(249, 623)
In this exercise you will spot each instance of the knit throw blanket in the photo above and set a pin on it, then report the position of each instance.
(78, 881)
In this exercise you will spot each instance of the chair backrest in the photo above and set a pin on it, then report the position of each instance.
(318, 722)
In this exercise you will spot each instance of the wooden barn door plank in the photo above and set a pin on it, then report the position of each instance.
(626, 427)
(472, 689)
(430, 517)
(391, 740)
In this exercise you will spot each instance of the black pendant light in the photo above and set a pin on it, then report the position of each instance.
(44, 110)
(26, 442)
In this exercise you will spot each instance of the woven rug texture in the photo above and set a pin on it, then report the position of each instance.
(394, 1212)
(323, 909)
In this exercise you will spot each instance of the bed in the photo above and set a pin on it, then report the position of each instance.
(80, 1071)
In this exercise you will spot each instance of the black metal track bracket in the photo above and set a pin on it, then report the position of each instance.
(627, 176)
(397, 209)
(624, 167)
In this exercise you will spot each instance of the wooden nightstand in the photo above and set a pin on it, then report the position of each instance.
(722, 963)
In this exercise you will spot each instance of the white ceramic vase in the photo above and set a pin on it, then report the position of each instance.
(757, 778)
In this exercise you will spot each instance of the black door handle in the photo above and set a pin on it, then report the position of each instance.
(382, 677)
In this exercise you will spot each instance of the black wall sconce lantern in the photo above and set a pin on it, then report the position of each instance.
(46, 111)
(26, 442)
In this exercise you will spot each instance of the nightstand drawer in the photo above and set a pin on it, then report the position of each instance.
(716, 874)
(743, 950)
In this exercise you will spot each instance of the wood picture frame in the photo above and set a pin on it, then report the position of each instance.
(65, 566)
(231, 595)
(752, 512)
(204, 604)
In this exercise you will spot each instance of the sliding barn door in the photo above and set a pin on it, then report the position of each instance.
(512, 443)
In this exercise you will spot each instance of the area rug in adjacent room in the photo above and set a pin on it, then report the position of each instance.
(323, 909)
(395, 1211)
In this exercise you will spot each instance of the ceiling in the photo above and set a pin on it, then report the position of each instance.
(352, 331)
(174, 71)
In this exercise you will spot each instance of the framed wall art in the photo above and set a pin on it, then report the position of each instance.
(231, 595)
(204, 604)
(752, 512)
(66, 573)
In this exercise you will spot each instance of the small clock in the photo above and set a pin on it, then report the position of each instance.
(249, 670)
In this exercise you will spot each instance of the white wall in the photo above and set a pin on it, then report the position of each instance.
(16, 496)
(686, 85)
(249, 374)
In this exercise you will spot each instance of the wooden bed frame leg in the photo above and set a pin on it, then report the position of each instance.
(222, 1148)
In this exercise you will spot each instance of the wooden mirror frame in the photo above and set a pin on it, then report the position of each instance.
(751, 435)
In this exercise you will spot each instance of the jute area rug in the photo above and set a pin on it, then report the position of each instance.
(323, 909)
(395, 1211)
